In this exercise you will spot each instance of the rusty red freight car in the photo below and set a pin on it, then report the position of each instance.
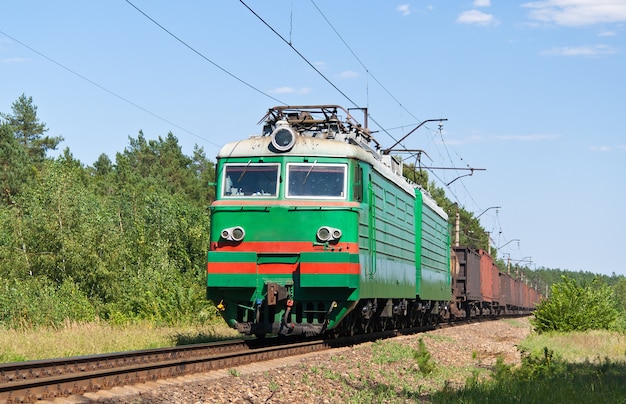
(506, 289)
(489, 283)
(466, 287)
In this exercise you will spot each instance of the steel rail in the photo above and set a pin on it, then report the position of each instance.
(47, 379)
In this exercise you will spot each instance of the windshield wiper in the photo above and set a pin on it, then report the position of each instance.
(245, 169)
(309, 172)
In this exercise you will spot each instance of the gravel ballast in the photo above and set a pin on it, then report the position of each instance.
(380, 371)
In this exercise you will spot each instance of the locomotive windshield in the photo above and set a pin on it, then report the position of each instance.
(251, 179)
(315, 180)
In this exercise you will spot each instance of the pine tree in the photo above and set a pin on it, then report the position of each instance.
(28, 130)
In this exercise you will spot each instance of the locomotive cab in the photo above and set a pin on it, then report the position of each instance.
(284, 256)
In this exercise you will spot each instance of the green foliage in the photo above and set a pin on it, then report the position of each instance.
(15, 168)
(576, 308)
(544, 365)
(422, 356)
(501, 370)
(415, 174)
(41, 302)
(28, 130)
(130, 238)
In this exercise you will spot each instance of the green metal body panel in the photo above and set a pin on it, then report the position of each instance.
(432, 253)
(386, 240)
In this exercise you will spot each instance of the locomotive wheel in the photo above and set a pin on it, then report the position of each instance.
(352, 329)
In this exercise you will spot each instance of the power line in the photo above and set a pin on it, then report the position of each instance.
(313, 66)
(369, 73)
(299, 54)
(126, 100)
(203, 56)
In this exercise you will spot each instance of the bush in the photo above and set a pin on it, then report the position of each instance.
(159, 293)
(39, 302)
(576, 308)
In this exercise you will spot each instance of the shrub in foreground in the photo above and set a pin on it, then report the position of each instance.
(572, 307)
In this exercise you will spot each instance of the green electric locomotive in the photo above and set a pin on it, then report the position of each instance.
(313, 230)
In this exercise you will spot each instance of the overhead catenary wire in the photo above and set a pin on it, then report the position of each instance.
(367, 70)
(354, 104)
(202, 55)
(370, 74)
(307, 61)
(111, 92)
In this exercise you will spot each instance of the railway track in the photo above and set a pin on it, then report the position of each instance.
(32, 381)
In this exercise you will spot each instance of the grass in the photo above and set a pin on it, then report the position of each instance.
(99, 337)
(579, 346)
(576, 367)
(558, 383)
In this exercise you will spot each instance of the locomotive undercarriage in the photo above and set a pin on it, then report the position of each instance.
(312, 318)
(285, 318)
(372, 315)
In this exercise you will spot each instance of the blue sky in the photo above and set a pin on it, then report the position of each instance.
(534, 92)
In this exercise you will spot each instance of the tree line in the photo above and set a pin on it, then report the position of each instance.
(121, 241)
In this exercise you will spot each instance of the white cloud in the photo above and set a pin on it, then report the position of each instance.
(404, 9)
(348, 74)
(527, 138)
(577, 12)
(476, 17)
(482, 3)
(14, 60)
(607, 33)
(320, 65)
(592, 50)
(479, 138)
(608, 148)
(291, 90)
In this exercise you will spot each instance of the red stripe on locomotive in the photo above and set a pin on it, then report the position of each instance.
(306, 268)
(282, 246)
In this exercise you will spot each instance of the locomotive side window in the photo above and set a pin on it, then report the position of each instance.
(316, 180)
(250, 180)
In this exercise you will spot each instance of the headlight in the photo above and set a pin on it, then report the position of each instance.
(326, 233)
(283, 137)
(236, 233)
